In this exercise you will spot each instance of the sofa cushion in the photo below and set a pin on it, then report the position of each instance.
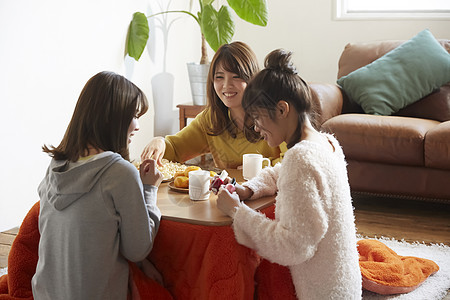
(437, 147)
(383, 139)
(435, 106)
(357, 55)
(404, 75)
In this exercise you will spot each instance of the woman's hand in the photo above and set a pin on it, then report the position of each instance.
(150, 174)
(227, 202)
(155, 150)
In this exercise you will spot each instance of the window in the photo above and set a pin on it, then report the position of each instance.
(392, 9)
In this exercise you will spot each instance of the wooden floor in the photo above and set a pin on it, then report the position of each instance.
(427, 222)
(6, 239)
(410, 220)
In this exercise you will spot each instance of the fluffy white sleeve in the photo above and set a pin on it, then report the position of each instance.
(265, 183)
(301, 219)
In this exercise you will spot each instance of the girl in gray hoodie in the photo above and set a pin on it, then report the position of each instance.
(96, 209)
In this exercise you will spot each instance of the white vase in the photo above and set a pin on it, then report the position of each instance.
(198, 74)
(162, 88)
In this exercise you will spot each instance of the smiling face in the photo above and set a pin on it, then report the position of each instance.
(229, 87)
(272, 130)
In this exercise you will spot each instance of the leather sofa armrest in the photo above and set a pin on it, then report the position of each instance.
(329, 101)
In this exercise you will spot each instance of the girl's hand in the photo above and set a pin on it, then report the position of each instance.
(243, 192)
(227, 202)
(150, 175)
(154, 150)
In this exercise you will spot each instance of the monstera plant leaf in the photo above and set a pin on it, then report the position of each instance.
(217, 26)
(253, 11)
(137, 36)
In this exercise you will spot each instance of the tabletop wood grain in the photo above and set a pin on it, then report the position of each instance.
(176, 206)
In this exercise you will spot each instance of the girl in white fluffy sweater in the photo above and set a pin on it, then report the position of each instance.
(313, 232)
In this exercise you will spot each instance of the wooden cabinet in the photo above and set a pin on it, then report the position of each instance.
(188, 111)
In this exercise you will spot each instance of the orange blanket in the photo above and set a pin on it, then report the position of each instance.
(23, 258)
(197, 262)
(206, 262)
(203, 262)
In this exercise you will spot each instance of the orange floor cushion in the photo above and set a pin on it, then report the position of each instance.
(385, 272)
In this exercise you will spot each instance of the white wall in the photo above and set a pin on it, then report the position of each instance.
(50, 48)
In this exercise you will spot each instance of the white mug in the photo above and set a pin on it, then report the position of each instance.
(199, 181)
(252, 164)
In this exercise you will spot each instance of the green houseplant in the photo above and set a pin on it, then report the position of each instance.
(216, 26)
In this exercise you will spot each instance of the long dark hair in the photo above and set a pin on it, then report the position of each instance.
(278, 81)
(237, 58)
(106, 106)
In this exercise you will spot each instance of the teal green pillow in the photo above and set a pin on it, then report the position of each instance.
(400, 77)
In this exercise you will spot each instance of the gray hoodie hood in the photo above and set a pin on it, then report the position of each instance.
(64, 185)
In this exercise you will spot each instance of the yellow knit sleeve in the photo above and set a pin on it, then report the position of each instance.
(190, 142)
(283, 149)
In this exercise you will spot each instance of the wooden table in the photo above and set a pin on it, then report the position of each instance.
(176, 206)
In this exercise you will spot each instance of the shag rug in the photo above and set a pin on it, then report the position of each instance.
(434, 287)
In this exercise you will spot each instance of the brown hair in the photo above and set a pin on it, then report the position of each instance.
(237, 58)
(279, 81)
(106, 106)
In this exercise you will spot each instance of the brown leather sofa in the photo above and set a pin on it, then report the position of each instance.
(407, 154)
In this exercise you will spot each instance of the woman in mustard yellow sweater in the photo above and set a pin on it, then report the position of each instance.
(219, 128)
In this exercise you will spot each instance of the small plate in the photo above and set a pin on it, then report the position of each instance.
(178, 189)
